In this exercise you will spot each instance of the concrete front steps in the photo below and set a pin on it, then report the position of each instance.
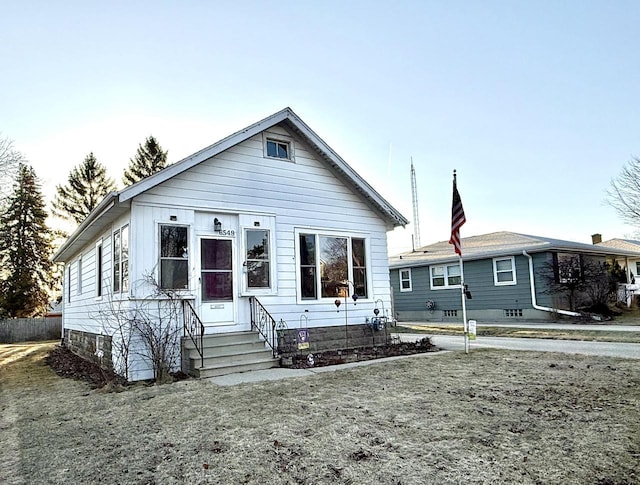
(227, 353)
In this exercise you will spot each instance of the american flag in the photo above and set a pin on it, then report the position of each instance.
(457, 218)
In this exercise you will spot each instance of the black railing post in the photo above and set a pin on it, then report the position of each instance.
(263, 323)
(193, 327)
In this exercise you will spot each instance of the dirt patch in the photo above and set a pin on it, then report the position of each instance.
(336, 357)
(488, 417)
(67, 364)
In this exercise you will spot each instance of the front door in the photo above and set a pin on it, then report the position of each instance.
(216, 281)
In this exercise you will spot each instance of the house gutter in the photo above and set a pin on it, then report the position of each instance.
(533, 292)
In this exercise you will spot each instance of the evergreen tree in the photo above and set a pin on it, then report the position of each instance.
(149, 159)
(87, 185)
(25, 248)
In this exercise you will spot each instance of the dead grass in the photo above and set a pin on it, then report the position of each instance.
(488, 417)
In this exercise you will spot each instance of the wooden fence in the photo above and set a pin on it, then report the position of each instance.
(30, 329)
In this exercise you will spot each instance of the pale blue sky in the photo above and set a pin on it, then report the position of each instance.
(536, 104)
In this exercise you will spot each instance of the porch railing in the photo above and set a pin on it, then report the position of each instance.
(193, 327)
(264, 324)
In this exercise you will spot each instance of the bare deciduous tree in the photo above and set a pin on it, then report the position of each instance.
(624, 193)
(149, 330)
(10, 159)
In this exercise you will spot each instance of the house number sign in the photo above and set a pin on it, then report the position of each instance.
(227, 232)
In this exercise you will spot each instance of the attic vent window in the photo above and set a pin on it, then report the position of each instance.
(278, 149)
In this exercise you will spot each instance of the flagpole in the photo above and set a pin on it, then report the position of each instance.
(465, 325)
(457, 220)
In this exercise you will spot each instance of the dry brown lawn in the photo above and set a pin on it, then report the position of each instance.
(489, 417)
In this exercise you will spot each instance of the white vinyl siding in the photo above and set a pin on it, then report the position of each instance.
(241, 186)
(504, 271)
(306, 195)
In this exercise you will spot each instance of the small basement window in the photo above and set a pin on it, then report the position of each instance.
(513, 312)
(278, 149)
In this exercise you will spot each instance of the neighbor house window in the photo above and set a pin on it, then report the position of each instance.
(121, 260)
(445, 276)
(278, 149)
(504, 271)
(174, 257)
(405, 280)
(99, 269)
(258, 258)
(332, 266)
(568, 267)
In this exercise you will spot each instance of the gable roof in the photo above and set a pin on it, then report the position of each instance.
(498, 244)
(117, 203)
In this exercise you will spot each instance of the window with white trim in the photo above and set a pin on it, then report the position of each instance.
(80, 275)
(174, 257)
(121, 259)
(278, 149)
(69, 284)
(98, 259)
(258, 258)
(504, 271)
(405, 280)
(445, 276)
(332, 266)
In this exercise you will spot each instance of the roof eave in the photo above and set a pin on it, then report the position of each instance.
(107, 210)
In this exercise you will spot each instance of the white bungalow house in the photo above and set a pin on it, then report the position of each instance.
(267, 225)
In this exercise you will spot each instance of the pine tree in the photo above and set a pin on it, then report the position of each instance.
(149, 159)
(25, 248)
(87, 185)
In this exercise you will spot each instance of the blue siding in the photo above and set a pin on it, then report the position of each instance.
(479, 279)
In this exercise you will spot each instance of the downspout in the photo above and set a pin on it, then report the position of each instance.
(533, 292)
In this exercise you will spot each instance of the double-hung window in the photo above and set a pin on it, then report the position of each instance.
(504, 271)
(174, 257)
(405, 280)
(445, 276)
(121, 260)
(332, 266)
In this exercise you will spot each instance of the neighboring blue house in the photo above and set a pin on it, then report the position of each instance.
(504, 273)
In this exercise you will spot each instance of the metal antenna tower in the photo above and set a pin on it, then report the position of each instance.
(416, 218)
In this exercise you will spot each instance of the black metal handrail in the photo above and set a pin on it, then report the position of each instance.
(194, 328)
(264, 324)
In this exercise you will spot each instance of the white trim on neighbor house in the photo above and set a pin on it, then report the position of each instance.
(444, 272)
(407, 279)
(500, 273)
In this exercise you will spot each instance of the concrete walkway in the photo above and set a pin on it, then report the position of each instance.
(278, 373)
